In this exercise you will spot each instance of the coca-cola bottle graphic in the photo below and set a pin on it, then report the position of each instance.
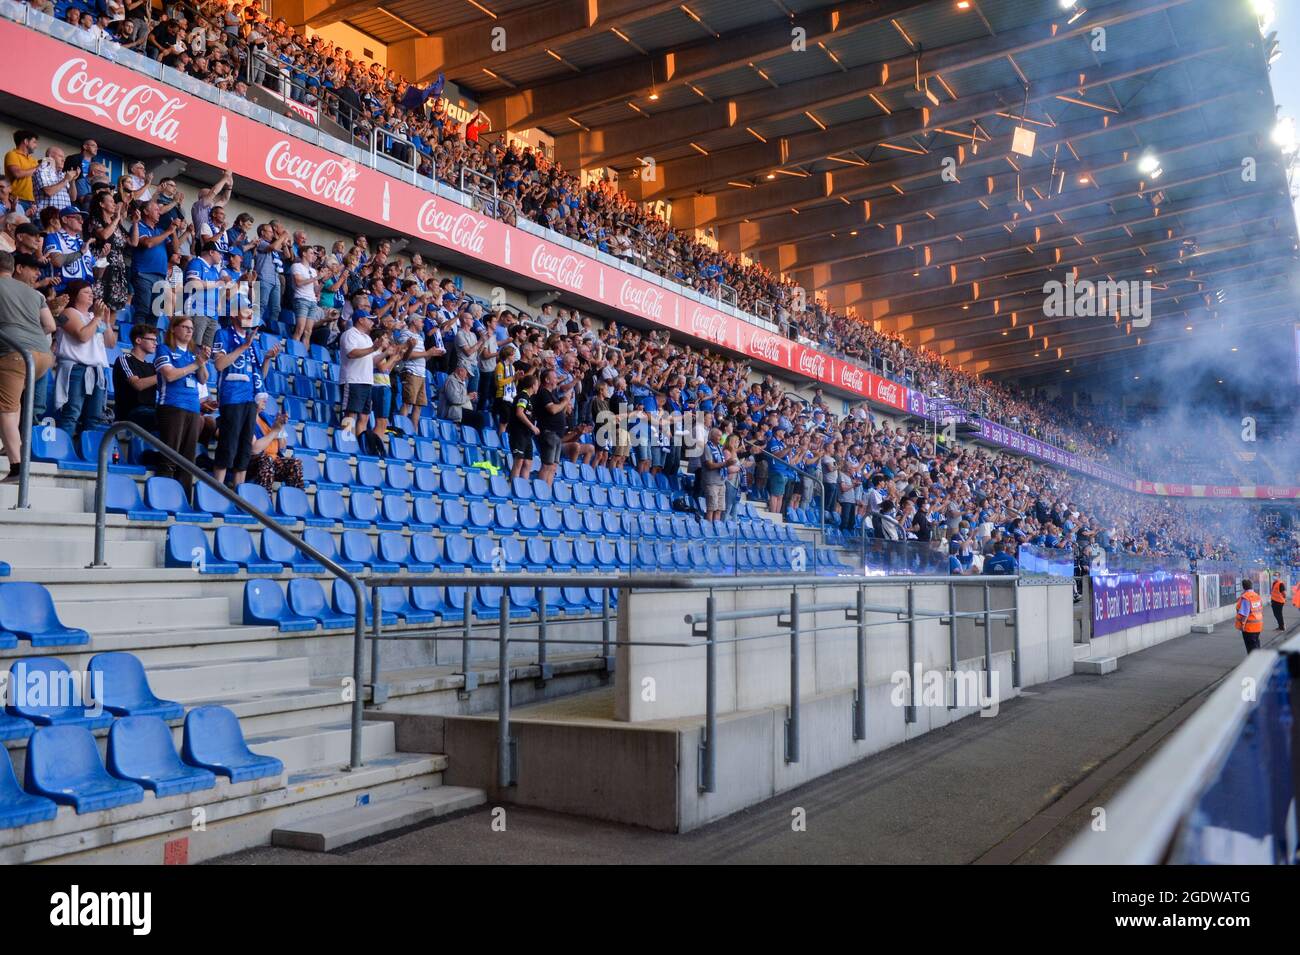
(386, 202)
(600, 273)
(223, 140)
(507, 247)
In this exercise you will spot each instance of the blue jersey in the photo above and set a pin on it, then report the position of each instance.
(182, 393)
(241, 381)
(201, 301)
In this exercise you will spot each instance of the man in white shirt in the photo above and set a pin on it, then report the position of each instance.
(306, 294)
(356, 373)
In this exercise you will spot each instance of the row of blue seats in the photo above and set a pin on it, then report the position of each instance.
(165, 500)
(302, 605)
(63, 766)
(43, 691)
(27, 613)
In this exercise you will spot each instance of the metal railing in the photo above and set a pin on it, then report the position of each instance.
(130, 429)
(789, 620)
(25, 424)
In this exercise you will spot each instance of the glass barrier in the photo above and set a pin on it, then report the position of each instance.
(1138, 564)
(1045, 560)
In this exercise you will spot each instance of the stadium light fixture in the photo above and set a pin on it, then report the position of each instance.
(654, 95)
(1265, 13)
(963, 4)
(1069, 4)
(1149, 165)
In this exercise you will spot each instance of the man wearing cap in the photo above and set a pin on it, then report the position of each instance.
(68, 251)
(26, 317)
(203, 279)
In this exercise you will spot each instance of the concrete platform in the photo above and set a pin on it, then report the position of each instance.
(1098, 666)
(346, 826)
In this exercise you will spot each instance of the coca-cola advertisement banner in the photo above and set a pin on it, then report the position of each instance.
(83, 85)
(1121, 601)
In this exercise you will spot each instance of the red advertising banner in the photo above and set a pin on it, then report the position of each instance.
(77, 83)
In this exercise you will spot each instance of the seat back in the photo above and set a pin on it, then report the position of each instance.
(394, 548)
(166, 494)
(293, 502)
(121, 494)
(322, 540)
(234, 545)
(357, 547)
(426, 549)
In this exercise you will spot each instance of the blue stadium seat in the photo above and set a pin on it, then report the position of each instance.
(427, 514)
(323, 541)
(122, 496)
(542, 491)
(27, 613)
(396, 600)
(426, 553)
(499, 489)
(45, 691)
(307, 599)
(396, 550)
(166, 494)
(345, 444)
(276, 550)
(571, 472)
(15, 727)
(396, 513)
(140, 750)
(126, 690)
(427, 451)
(562, 491)
(486, 552)
(369, 474)
(88, 446)
(256, 495)
(451, 484)
(397, 478)
(561, 556)
(18, 808)
(358, 549)
(265, 603)
(480, 516)
(576, 600)
(632, 500)
(606, 554)
(214, 741)
(331, 509)
(612, 524)
(292, 505)
(584, 556)
(311, 472)
(476, 484)
(487, 604)
(537, 555)
(363, 509)
(512, 550)
(64, 765)
(54, 446)
(506, 518)
(529, 520)
(345, 602)
(587, 474)
(617, 498)
(458, 553)
(552, 521)
(435, 600)
(338, 474)
(234, 545)
(582, 495)
(400, 448)
(599, 496)
(616, 478)
(206, 499)
(424, 481)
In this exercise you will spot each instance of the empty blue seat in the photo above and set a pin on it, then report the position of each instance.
(561, 555)
(362, 508)
(499, 488)
(599, 496)
(617, 498)
(427, 451)
(265, 603)
(400, 448)
(396, 600)
(64, 765)
(458, 553)
(331, 509)
(338, 473)
(276, 550)
(447, 602)
(345, 602)
(311, 472)
(88, 445)
(140, 750)
(487, 604)
(369, 474)
(451, 484)
(122, 496)
(46, 692)
(27, 613)
(54, 446)
(424, 481)
(396, 513)
(396, 550)
(530, 520)
(234, 545)
(552, 521)
(18, 808)
(207, 499)
(507, 518)
(562, 492)
(570, 472)
(480, 516)
(214, 741)
(167, 495)
(577, 600)
(256, 495)
(307, 599)
(487, 554)
(396, 477)
(426, 553)
(582, 495)
(542, 491)
(358, 549)
(537, 556)
(427, 514)
(584, 556)
(125, 688)
(323, 541)
(476, 484)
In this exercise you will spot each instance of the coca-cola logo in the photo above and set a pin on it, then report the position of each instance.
(812, 363)
(646, 299)
(1221, 491)
(143, 108)
(887, 392)
(708, 325)
(766, 346)
(461, 229)
(851, 377)
(1179, 489)
(331, 180)
(562, 268)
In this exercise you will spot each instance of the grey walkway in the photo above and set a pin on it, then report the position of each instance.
(1012, 788)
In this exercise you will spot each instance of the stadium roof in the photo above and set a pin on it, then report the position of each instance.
(805, 148)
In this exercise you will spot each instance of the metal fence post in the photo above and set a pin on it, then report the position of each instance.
(505, 746)
(792, 723)
(860, 704)
(988, 647)
(952, 642)
(1015, 635)
(377, 695)
(606, 631)
(709, 745)
(470, 679)
(909, 711)
(544, 669)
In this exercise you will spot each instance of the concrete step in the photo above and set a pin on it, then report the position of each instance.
(1083, 650)
(163, 645)
(345, 826)
(206, 679)
(1097, 666)
(46, 497)
(101, 615)
(27, 551)
(329, 744)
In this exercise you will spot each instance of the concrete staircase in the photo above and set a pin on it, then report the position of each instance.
(291, 692)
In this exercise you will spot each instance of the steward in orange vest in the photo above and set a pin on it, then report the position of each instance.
(1250, 615)
(1277, 597)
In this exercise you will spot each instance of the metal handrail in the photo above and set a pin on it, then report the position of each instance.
(101, 499)
(25, 423)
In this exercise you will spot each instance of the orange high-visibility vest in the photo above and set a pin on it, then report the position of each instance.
(1295, 596)
(1254, 621)
(1279, 592)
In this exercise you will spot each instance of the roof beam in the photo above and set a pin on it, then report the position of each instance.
(662, 130)
(544, 105)
(679, 177)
